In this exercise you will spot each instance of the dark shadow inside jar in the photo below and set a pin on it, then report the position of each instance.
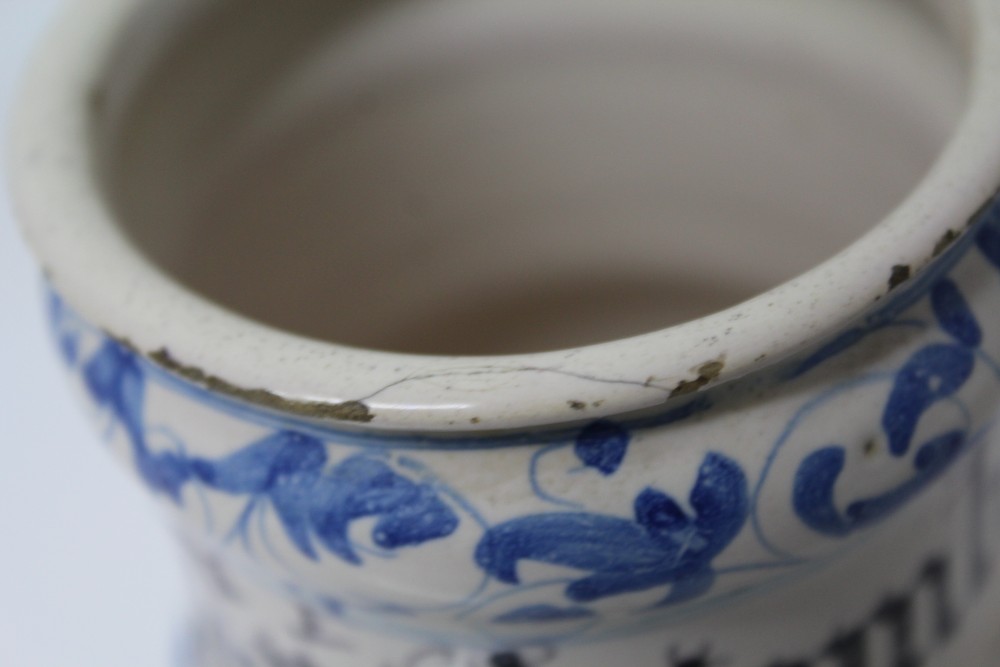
(454, 177)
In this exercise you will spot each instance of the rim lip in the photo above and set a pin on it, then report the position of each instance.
(62, 211)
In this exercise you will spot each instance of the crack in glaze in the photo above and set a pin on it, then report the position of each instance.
(474, 372)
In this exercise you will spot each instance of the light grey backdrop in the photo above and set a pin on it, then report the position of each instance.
(88, 574)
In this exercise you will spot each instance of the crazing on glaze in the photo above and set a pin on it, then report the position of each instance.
(347, 502)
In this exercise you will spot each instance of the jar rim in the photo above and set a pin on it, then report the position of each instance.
(110, 283)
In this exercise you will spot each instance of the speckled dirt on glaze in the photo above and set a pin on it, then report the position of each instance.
(706, 374)
(349, 411)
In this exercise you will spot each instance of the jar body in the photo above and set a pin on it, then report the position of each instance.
(837, 505)
(802, 475)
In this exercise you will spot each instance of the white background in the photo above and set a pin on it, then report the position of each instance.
(89, 576)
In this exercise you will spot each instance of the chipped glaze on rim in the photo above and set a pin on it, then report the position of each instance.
(92, 265)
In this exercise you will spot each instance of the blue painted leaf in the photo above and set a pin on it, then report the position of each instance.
(935, 456)
(258, 467)
(331, 527)
(373, 487)
(658, 513)
(423, 519)
(815, 482)
(332, 606)
(932, 373)
(126, 400)
(813, 491)
(102, 374)
(330, 516)
(931, 460)
(166, 473)
(988, 241)
(291, 499)
(575, 539)
(408, 513)
(661, 546)
(115, 380)
(66, 328)
(602, 445)
(721, 501)
(544, 613)
(954, 315)
(607, 584)
(689, 588)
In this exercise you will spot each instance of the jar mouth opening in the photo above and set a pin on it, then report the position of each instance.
(661, 197)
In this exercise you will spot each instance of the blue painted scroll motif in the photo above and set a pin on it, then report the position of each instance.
(323, 490)
(661, 545)
(932, 374)
(925, 423)
(287, 470)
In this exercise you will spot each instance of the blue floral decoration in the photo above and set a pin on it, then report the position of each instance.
(287, 470)
(661, 545)
(933, 373)
(317, 488)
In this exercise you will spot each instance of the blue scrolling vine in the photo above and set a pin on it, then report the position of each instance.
(933, 373)
(288, 471)
(661, 545)
(666, 546)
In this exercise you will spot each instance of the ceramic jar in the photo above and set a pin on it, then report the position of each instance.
(554, 333)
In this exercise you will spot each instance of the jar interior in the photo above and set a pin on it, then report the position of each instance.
(489, 177)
